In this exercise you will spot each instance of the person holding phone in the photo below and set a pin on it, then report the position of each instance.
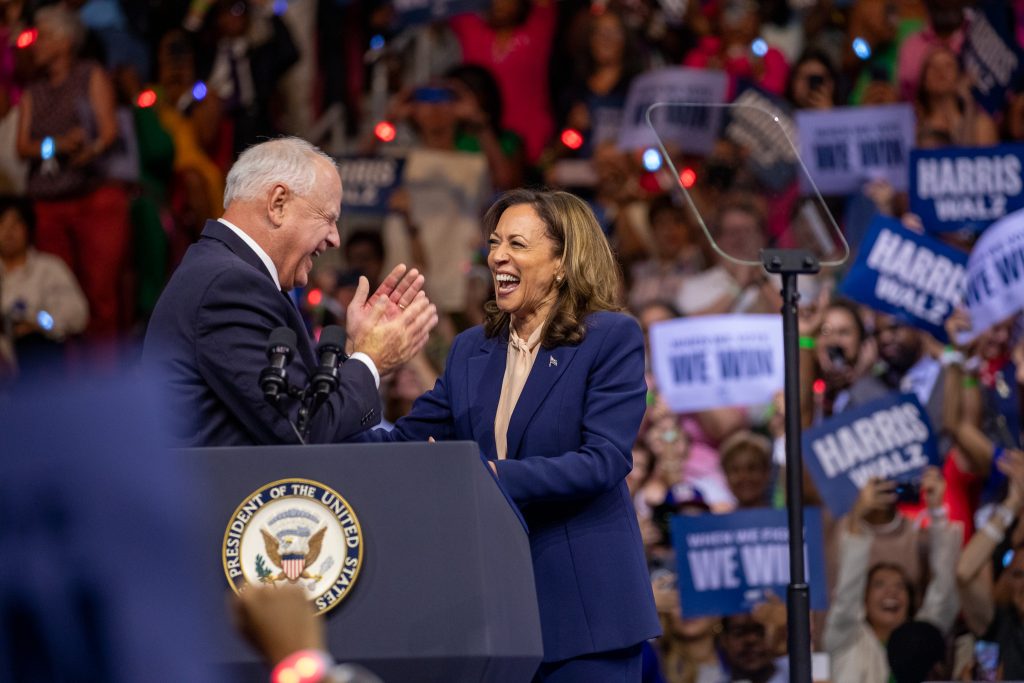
(874, 597)
(843, 353)
(812, 81)
(995, 624)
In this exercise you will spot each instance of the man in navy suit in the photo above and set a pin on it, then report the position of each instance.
(209, 331)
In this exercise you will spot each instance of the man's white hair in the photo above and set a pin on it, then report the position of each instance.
(288, 161)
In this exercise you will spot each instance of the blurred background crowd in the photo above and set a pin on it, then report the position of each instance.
(119, 119)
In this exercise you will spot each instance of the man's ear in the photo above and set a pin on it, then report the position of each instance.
(276, 200)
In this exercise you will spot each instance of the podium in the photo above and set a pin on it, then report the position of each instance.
(445, 589)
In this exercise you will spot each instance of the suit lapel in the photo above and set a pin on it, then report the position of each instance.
(295, 321)
(486, 372)
(218, 231)
(548, 367)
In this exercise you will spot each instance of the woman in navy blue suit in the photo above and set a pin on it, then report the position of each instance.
(552, 389)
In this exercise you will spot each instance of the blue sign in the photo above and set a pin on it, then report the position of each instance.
(728, 562)
(913, 277)
(991, 56)
(367, 183)
(958, 188)
(889, 438)
(416, 12)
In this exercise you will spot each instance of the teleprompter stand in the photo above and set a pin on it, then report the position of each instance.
(789, 263)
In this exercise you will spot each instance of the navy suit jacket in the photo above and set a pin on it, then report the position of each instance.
(570, 442)
(208, 336)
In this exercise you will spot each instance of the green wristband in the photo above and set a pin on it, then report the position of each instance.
(806, 342)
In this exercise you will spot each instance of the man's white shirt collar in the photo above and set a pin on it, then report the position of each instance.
(256, 248)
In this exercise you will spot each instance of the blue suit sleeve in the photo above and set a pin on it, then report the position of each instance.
(614, 404)
(235, 319)
(430, 416)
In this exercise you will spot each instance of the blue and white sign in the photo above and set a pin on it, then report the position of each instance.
(717, 360)
(957, 188)
(367, 183)
(995, 274)
(991, 56)
(845, 147)
(913, 277)
(728, 562)
(692, 129)
(889, 438)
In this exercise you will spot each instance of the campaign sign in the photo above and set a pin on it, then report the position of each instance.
(913, 277)
(889, 438)
(367, 182)
(995, 274)
(716, 361)
(416, 12)
(727, 562)
(991, 56)
(845, 147)
(692, 128)
(958, 188)
(762, 124)
(605, 118)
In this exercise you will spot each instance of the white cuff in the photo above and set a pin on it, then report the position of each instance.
(368, 362)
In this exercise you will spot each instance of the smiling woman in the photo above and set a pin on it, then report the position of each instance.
(552, 389)
(551, 266)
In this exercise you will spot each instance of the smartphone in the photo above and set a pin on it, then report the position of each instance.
(986, 657)
(908, 492)
(837, 357)
(433, 95)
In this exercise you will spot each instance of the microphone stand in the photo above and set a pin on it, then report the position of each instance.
(789, 263)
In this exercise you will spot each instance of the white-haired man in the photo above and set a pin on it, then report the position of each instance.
(209, 331)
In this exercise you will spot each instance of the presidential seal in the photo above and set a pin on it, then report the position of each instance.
(295, 531)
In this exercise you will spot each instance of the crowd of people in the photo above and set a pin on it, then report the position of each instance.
(120, 122)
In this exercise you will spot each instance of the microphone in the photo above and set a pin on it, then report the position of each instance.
(331, 352)
(274, 378)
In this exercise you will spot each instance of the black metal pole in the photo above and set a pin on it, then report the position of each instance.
(789, 263)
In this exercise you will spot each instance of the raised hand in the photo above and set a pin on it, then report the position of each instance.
(400, 287)
(390, 343)
(878, 495)
(958, 322)
(933, 486)
(395, 294)
(277, 621)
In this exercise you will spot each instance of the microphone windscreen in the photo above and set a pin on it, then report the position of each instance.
(331, 336)
(282, 336)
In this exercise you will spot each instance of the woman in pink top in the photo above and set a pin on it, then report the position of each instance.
(514, 42)
(731, 49)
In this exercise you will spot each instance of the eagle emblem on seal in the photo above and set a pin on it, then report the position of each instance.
(293, 553)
